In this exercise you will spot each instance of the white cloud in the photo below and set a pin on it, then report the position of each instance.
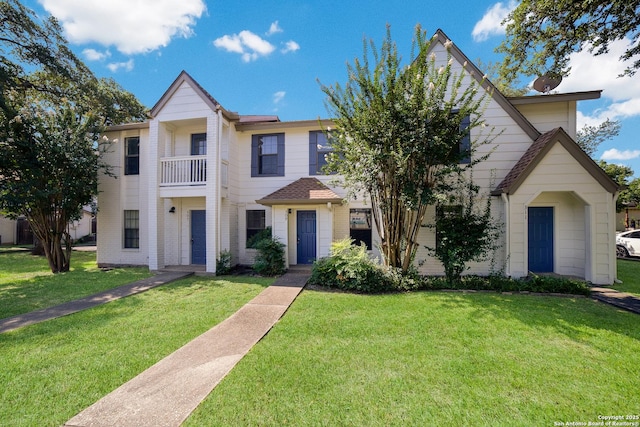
(491, 22)
(615, 154)
(278, 96)
(132, 26)
(589, 72)
(290, 46)
(94, 55)
(117, 66)
(274, 28)
(246, 43)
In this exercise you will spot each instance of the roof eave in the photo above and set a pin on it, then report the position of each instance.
(277, 202)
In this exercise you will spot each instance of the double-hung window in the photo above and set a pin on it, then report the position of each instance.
(267, 155)
(131, 229)
(132, 155)
(319, 148)
(255, 226)
(198, 144)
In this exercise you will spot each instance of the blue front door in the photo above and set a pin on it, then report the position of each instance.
(198, 237)
(540, 240)
(306, 237)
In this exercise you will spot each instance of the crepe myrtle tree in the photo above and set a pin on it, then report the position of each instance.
(50, 163)
(398, 136)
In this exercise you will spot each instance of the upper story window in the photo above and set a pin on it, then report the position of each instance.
(319, 147)
(132, 155)
(267, 155)
(198, 144)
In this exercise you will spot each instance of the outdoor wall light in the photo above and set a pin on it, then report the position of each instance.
(172, 210)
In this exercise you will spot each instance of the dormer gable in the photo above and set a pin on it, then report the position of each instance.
(185, 83)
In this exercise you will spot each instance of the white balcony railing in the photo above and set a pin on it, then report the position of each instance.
(187, 170)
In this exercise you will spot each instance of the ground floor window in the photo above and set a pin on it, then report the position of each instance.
(360, 226)
(256, 228)
(132, 229)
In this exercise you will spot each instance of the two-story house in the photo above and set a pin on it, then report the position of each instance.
(197, 179)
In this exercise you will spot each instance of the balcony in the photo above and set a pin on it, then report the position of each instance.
(183, 171)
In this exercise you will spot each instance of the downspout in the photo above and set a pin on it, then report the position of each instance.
(613, 270)
(507, 230)
(219, 181)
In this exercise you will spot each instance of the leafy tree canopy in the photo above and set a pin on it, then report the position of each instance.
(590, 137)
(541, 34)
(52, 111)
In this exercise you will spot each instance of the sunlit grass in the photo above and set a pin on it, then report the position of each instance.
(53, 370)
(629, 274)
(445, 359)
(27, 284)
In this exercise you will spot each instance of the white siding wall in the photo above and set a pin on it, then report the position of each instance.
(8, 228)
(127, 192)
(550, 115)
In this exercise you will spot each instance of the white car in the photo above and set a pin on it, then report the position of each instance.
(628, 244)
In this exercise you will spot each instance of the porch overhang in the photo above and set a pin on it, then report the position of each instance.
(304, 191)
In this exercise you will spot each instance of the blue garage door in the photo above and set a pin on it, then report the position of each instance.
(540, 239)
(306, 237)
(198, 237)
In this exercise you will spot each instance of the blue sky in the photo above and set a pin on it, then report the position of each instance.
(266, 57)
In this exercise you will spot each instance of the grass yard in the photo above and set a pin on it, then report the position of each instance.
(53, 370)
(27, 284)
(629, 273)
(434, 358)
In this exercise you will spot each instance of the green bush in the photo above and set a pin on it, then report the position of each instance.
(223, 263)
(269, 260)
(349, 267)
(252, 242)
(533, 283)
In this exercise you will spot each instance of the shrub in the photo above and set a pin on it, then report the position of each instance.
(252, 242)
(269, 260)
(349, 267)
(223, 263)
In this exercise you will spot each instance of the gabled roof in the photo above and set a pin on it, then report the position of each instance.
(538, 150)
(304, 191)
(206, 97)
(497, 96)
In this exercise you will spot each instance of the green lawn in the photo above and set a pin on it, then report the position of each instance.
(432, 358)
(27, 284)
(51, 371)
(629, 273)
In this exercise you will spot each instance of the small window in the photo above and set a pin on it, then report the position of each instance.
(319, 147)
(198, 144)
(360, 226)
(132, 229)
(255, 226)
(267, 155)
(132, 156)
(447, 216)
(465, 142)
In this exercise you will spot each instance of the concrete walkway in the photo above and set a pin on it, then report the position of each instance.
(617, 299)
(167, 393)
(15, 322)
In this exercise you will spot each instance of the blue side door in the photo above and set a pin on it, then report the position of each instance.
(540, 239)
(306, 237)
(198, 237)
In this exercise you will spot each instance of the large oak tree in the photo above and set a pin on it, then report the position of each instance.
(52, 111)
